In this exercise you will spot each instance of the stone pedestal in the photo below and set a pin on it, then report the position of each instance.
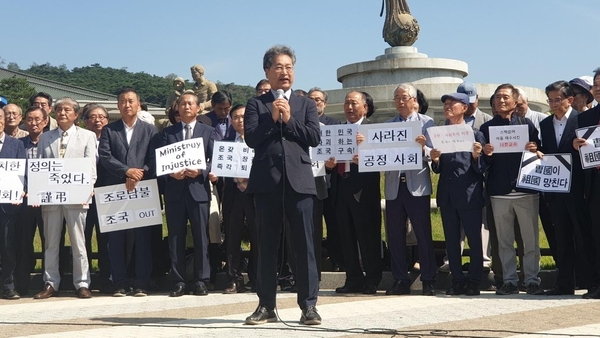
(433, 76)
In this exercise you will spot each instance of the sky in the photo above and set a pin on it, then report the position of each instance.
(526, 42)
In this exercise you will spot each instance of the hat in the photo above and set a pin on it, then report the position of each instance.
(461, 97)
(3, 101)
(469, 89)
(584, 83)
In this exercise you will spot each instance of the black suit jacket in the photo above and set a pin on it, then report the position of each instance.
(274, 141)
(116, 156)
(588, 118)
(199, 187)
(565, 146)
(461, 179)
(503, 168)
(215, 122)
(328, 120)
(367, 184)
(12, 148)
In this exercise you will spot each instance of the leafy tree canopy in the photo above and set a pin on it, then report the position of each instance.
(17, 91)
(153, 89)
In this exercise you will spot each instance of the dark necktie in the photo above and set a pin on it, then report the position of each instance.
(188, 132)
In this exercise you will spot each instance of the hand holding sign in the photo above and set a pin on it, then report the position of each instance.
(435, 155)
(488, 149)
(422, 140)
(476, 150)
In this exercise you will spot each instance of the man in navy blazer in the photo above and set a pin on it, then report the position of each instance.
(460, 199)
(219, 116)
(358, 211)
(126, 151)
(238, 215)
(187, 197)
(281, 130)
(569, 212)
(590, 118)
(9, 148)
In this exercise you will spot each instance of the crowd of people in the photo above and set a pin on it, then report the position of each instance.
(280, 208)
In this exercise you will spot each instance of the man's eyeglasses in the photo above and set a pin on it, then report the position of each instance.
(554, 101)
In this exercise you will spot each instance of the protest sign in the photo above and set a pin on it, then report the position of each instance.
(188, 154)
(590, 152)
(119, 209)
(552, 173)
(390, 146)
(452, 138)
(337, 141)
(232, 159)
(12, 179)
(509, 138)
(53, 181)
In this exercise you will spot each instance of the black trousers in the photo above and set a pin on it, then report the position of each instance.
(27, 220)
(359, 229)
(91, 223)
(233, 222)
(271, 208)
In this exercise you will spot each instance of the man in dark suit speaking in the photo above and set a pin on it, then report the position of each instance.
(281, 126)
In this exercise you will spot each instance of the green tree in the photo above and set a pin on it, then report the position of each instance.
(17, 90)
(152, 89)
(13, 66)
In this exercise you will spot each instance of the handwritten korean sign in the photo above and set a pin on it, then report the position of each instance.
(510, 138)
(119, 209)
(452, 138)
(232, 159)
(552, 173)
(390, 146)
(53, 181)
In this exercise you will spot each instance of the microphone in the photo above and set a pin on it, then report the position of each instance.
(280, 95)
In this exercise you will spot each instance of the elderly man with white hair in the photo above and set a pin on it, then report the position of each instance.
(523, 110)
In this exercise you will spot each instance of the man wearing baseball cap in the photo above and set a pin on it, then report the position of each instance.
(473, 116)
(460, 199)
(582, 86)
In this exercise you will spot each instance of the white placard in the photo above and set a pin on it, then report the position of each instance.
(386, 135)
(552, 173)
(318, 167)
(188, 154)
(119, 209)
(452, 138)
(54, 181)
(337, 141)
(390, 146)
(590, 152)
(510, 138)
(387, 159)
(12, 179)
(231, 159)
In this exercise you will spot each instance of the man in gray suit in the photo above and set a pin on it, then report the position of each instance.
(67, 141)
(407, 196)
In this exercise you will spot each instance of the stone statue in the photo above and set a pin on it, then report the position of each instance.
(400, 28)
(178, 87)
(203, 88)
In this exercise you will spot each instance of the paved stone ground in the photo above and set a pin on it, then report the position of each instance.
(218, 315)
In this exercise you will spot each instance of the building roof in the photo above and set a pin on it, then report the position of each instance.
(58, 89)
